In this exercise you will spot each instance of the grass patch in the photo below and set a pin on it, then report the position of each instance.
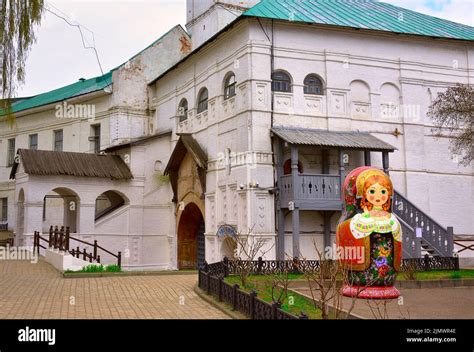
(292, 303)
(440, 274)
(94, 268)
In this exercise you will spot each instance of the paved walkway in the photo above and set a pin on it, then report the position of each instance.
(429, 303)
(38, 291)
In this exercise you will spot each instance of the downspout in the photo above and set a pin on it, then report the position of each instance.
(272, 69)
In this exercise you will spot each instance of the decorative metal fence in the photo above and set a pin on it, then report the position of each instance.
(246, 303)
(261, 267)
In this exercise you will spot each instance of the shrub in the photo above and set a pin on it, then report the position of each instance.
(93, 269)
(456, 275)
(113, 268)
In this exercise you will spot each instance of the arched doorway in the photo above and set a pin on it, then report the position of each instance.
(61, 208)
(191, 241)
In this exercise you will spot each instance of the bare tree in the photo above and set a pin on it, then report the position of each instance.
(452, 113)
(248, 248)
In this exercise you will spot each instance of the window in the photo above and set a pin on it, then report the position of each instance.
(281, 82)
(203, 100)
(183, 110)
(313, 85)
(229, 86)
(58, 141)
(11, 152)
(95, 138)
(33, 141)
(4, 214)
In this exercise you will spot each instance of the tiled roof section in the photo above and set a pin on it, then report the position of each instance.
(362, 14)
(50, 163)
(323, 138)
(73, 90)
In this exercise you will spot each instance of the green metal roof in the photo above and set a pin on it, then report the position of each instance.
(362, 14)
(73, 90)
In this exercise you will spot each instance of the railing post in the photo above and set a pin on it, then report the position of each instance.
(234, 296)
(119, 259)
(95, 249)
(456, 263)
(426, 262)
(56, 232)
(61, 239)
(417, 247)
(253, 295)
(450, 239)
(66, 245)
(50, 241)
(98, 259)
(84, 254)
(78, 252)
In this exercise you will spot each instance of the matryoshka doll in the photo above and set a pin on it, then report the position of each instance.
(369, 236)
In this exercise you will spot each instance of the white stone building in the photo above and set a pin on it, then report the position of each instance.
(255, 127)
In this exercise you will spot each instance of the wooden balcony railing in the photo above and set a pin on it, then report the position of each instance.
(311, 191)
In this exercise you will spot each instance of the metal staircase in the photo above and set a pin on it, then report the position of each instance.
(421, 234)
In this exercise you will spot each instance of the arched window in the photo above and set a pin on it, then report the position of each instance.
(229, 86)
(281, 82)
(183, 110)
(203, 98)
(287, 167)
(313, 85)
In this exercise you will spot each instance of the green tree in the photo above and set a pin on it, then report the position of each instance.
(452, 113)
(17, 33)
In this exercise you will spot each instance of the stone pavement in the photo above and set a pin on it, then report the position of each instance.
(38, 291)
(426, 303)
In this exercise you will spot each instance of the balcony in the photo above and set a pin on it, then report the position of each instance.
(311, 192)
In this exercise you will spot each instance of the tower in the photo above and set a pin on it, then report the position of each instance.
(207, 17)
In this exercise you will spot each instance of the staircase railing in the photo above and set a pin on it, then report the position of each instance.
(434, 235)
(59, 238)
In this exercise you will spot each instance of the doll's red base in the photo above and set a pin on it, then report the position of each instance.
(372, 292)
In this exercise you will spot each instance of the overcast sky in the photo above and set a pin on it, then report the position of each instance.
(124, 27)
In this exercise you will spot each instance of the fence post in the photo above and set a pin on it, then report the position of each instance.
(456, 263)
(78, 252)
(98, 259)
(426, 262)
(119, 259)
(295, 269)
(253, 295)
(84, 254)
(208, 288)
(259, 265)
(219, 291)
(275, 306)
(226, 266)
(66, 245)
(234, 296)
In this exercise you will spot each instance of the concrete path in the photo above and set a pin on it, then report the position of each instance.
(38, 291)
(432, 303)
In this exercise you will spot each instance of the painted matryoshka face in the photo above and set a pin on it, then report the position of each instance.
(377, 195)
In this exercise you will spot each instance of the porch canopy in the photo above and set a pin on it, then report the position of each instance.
(332, 139)
(186, 144)
(52, 163)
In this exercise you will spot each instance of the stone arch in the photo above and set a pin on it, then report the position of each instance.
(389, 94)
(61, 207)
(109, 201)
